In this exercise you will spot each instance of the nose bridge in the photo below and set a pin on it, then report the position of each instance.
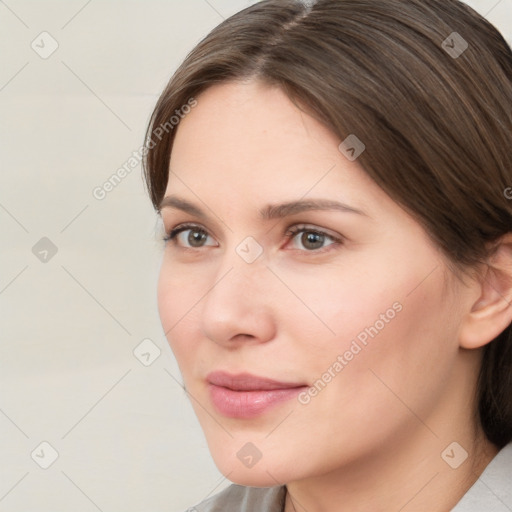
(237, 302)
(242, 269)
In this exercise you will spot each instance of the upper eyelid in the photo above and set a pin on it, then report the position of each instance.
(297, 228)
(294, 229)
(187, 225)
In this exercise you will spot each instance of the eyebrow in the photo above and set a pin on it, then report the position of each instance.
(270, 212)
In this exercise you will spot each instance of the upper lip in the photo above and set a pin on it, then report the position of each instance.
(247, 382)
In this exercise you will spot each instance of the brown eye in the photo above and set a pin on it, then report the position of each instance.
(311, 240)
(196, 238)
(190, 236)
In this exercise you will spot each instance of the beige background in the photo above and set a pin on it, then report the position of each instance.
(125, 435)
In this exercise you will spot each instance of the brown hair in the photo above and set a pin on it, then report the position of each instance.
(435, 117)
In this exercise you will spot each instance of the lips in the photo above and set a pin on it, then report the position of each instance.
(248, 382)
(245, 396)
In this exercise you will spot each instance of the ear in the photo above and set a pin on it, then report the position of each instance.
(491, 313)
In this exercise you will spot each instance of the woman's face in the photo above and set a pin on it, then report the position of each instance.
(307, 311)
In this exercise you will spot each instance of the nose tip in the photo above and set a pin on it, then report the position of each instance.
(237, 307)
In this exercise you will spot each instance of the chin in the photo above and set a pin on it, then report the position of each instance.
(265, 472)
(252, 477)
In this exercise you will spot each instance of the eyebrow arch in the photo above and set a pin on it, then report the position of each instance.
(294, 207)
(181, 204)
(270, 211)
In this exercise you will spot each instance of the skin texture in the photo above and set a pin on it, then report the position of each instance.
(372, 438)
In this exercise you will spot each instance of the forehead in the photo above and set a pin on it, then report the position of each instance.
(252, 134)
(250, 119)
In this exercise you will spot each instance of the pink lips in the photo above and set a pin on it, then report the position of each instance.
(245, 395)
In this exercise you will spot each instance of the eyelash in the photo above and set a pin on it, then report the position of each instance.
(169, 237)
(290, 234)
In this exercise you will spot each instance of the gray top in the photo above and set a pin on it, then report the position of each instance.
(492, 492)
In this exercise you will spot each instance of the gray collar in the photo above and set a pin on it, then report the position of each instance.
(492, 492)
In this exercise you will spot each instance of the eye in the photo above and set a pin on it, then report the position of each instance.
(190, 236)
(310, 239)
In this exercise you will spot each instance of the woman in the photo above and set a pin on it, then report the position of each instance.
(333, 179)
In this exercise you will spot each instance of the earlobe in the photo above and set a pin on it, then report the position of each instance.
(491, 313)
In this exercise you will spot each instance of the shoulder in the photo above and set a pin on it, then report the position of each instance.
(492, 491)
(240, 498)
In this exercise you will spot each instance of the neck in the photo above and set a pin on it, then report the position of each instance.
(417, 478)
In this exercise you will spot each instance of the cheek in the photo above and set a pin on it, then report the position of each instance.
(339, 303)
(392, 318)
(180, 288)
(396, 347)
(178, 294)
(368, 390)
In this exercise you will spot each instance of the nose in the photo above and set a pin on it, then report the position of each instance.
(238, 307)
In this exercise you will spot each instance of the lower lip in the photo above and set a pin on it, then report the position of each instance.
(248, 404)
